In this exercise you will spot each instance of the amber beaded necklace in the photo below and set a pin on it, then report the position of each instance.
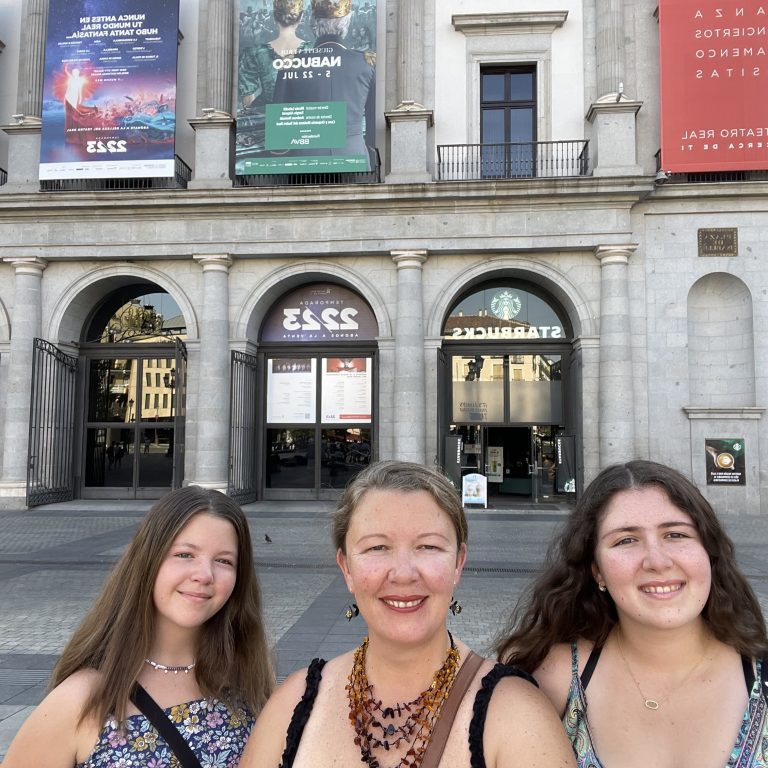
(376, 725)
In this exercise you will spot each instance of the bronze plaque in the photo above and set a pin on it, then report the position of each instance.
(719, 241)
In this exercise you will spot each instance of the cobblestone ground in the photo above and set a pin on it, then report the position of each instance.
(54, 560)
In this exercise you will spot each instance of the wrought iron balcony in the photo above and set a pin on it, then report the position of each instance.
(3, 176)
(706, 177)
(513, 160)
(182, 175)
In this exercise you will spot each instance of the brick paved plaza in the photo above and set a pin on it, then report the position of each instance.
(54, 559)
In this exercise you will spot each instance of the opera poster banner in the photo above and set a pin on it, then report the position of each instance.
(714, 74)
(306, 87)
(109, 91)
(346, 387)
(291, 390)
(726, 461)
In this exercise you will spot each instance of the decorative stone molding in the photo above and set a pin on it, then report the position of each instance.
(27, 265)
(615, 254)
(727, 414)
(214, 263)
(505, 23)
(409, 259)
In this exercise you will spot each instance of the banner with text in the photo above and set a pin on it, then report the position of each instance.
(109, 91)
(306, 88)
(713, 70)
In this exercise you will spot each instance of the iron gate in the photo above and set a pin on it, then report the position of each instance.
(180, 413)
(50, 466)
(243, 476)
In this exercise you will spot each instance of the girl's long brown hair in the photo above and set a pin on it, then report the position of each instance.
(116, 634)
(563, 603)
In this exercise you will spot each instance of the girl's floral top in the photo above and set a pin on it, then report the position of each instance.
(216, 735)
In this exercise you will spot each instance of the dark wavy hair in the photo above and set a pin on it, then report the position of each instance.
(232, 661)
(564, 604)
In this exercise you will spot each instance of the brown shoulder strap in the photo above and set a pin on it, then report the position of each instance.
(444, 723)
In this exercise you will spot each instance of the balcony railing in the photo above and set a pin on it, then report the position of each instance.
(513, 160)
(182, 175)
(3, 176)
(312, 179)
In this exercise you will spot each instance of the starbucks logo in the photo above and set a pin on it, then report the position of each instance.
(506, 305)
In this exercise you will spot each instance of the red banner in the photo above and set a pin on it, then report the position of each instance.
(714, 73)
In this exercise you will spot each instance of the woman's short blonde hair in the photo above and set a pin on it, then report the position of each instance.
(401, 476)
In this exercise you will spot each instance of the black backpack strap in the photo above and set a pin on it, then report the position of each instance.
(149, 708)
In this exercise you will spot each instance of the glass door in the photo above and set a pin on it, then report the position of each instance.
(542, 468)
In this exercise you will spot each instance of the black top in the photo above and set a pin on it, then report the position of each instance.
(303, 710)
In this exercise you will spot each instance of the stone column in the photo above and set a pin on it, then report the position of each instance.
(410, 120)
(214, 127)
(24, 133)
(26, 325)
(614, 142)
(409, 395)
(610, 49)
(212, 411)
(616, 398)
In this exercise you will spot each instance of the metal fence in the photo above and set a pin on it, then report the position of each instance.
(513, 160)
(706, 177)
(180, 179)
(243, 475)
(50, 468)
(3, 176)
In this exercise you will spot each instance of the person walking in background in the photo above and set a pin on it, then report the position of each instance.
(175, 638)
(643, 631)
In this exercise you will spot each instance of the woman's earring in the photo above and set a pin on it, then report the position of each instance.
(455, 607)
(352, 611)
(602, 587)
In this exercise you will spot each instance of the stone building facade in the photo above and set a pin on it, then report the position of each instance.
(641, 338)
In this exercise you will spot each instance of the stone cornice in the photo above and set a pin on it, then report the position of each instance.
(505, 23)
(727, 414)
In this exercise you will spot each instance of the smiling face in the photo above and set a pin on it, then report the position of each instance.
(402, 563)
(650, 557)
(198, 573)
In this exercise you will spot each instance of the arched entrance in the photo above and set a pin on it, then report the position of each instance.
(319, 360)
(506, 397)
(133, 383)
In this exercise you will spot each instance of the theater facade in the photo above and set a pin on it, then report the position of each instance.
(510, 246)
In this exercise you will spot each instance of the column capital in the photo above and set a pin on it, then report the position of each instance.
(218, 262)
(27, 265)
(615, 254)
(409, 259)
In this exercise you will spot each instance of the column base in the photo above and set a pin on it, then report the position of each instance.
(23, 155)
(408, 136)
(209, 485)
(13, 495)
(614, 137)
(214, 166)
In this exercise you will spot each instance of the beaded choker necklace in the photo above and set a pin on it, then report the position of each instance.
(185, 668)
(411, 722)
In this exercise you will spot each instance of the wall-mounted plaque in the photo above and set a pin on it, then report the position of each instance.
(719, 241)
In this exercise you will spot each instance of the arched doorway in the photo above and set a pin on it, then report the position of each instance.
(506, 399)
(133, 383)
(319, 360)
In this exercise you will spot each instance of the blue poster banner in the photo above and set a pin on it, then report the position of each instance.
(306, 87)
(109, 92)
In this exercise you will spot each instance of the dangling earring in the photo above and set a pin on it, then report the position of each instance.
(352, 611)
(455, 607)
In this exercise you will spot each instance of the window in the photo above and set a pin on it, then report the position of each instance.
(508, 121)
(165, 401)
(146, 401)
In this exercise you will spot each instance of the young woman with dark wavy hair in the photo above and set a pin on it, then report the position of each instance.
(180, 618)
(643, 631)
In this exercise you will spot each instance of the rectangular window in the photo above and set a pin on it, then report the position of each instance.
(157, 400)
(508, 121)
(157, 379)
(165, 401)
(146, 401)
(149, 379)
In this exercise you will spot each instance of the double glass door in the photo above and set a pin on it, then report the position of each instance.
(132, 409)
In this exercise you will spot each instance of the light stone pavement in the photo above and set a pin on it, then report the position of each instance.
(53, 561)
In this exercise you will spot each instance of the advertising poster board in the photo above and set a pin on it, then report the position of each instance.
(474, 489)
(306, 87)
(726, 461)
(713, 69)
(109, 89)
(346, 388)
(291, 391)
(494, 461)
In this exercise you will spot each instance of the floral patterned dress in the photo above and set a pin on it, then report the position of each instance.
(216, 735)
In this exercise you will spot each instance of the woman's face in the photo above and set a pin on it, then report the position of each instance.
(198, 573)
(650, 557)
(402, 564)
